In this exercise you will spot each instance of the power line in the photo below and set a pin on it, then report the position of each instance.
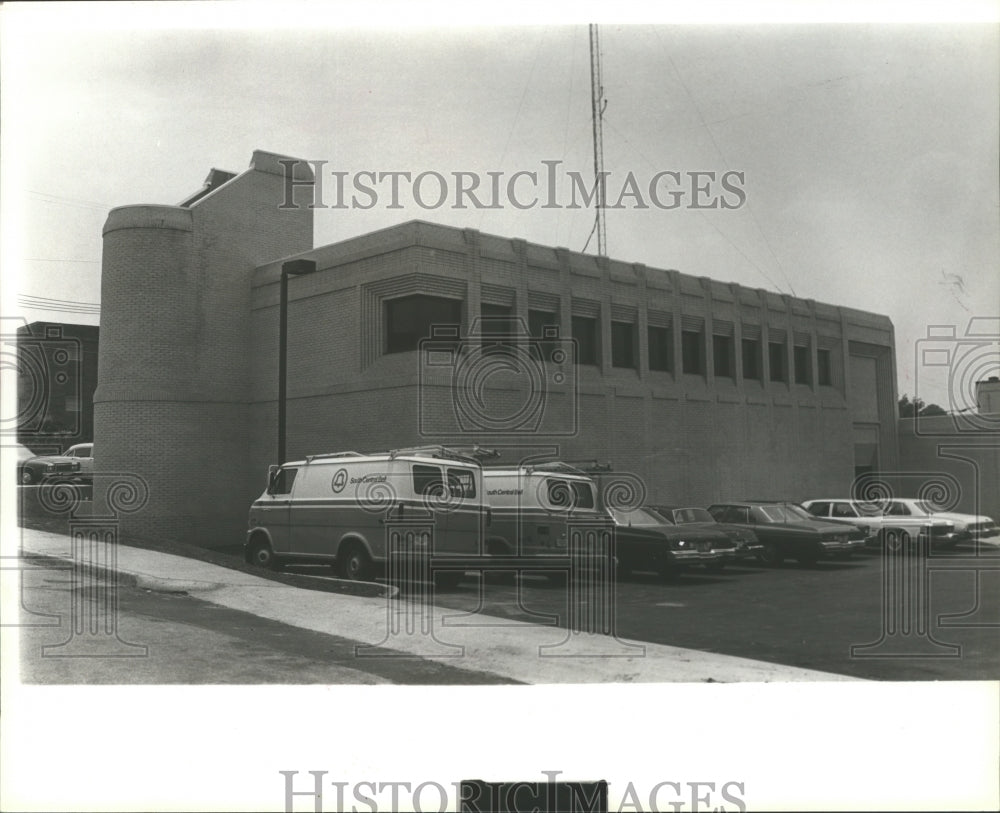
(57, 260)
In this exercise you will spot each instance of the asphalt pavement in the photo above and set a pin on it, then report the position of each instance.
(378, 624)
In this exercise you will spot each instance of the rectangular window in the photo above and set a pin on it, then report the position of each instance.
(623, 351)
(585, 335)
(410, 319)
(692, 355)
(543, 325)
(461, 483)
(776, 357)
(722, 356)
(567, 494)
(496, 324)
(661, 354)
(427, 480)
(803, 368)
(751, 359)
(824, 368)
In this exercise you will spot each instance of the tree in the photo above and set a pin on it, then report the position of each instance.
(911, 409)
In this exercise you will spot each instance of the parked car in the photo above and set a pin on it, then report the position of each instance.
(872, 517)
(787, 531)
(645, 541)
(746, 543)
(84, 452)
(967, 526)
(32, 469)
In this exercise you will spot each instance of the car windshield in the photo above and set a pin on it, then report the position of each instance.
(685, 515)
(664, 514)
(781, 512)
(637, 516)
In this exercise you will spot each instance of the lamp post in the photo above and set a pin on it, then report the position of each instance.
(292, 268)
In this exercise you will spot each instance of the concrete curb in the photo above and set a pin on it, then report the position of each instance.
(129, 578)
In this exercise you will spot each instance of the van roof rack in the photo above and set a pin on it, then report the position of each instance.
(555, 466)
(312, 457)
(474, 454)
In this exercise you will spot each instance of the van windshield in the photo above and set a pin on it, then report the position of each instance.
(281, 482)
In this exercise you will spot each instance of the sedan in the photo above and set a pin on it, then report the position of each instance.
(882, 521)
(645, 541)
(48, 467)
(84, 452)
(786, 531)
(747, 546)
(967, 526)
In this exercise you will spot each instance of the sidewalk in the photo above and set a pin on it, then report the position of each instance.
(510, 649)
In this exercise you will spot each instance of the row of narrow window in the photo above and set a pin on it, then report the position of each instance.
(412, 319)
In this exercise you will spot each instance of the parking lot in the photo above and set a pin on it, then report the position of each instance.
(809, 617)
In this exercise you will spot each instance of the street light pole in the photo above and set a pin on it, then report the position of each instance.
(293, 268)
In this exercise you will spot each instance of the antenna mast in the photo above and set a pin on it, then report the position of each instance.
(597, 105)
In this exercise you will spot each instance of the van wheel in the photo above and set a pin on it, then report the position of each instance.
(496, 547)
(261, 555)
(354, 564)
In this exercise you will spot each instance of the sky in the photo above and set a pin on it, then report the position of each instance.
(868, 152)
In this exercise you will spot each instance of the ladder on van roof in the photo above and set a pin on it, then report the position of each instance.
(474, 454)
(584, 467)
(328, 455)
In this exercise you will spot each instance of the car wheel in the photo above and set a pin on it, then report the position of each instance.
(354, 563)
(261, 555)
(27, 477)
(807, 558)
(770, 555)
(895, 539)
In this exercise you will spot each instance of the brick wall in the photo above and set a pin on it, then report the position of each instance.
(174, 377)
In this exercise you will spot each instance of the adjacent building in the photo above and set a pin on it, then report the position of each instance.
(424, 334)
(56, 379)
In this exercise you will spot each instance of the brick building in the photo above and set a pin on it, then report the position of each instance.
(706, 390)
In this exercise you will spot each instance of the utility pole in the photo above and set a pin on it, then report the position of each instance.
(597, 105)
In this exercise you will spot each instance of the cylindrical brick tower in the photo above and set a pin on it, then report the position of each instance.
(173, 379)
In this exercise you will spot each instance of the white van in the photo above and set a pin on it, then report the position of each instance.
(349, 510)
(545, 509)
